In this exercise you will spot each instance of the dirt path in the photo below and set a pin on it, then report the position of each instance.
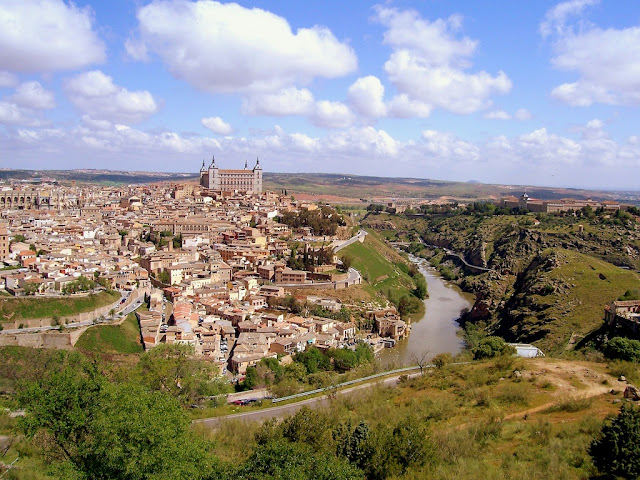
(572, 379)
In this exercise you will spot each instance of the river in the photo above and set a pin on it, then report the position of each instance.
(436, 331)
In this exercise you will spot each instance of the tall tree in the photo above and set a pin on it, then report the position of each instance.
(617, 450)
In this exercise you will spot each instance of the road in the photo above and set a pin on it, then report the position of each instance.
(126, 311)
(284, 410)
(339, 245)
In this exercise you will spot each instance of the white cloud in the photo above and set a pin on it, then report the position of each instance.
(288, 101)
(217, 125)
(95, 94)
(497, 115)
(522, 114)
(401, 106)
(33, 95)
(47, 35)
(366, 95)
(607, 61)
(332, 115)
(228, 48)
(428, 63)
(7, 79)
(12, 114)
(555, 19)
(444, 146)
(136, 49)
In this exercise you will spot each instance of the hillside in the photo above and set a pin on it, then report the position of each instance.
(530, 419)
(500, 418)
(23, 308)
(548, 279)
(385, 273)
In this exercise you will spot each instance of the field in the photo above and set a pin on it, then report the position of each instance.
(12, 308)
(123, 338)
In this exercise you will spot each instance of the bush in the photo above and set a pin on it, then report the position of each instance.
(617, 450)
(490, 347)
(619, 348)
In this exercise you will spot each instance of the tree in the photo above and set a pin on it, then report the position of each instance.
(250, 378)
(280, 460)
(490, 347)
(623, 349)
(421, 359)
(102, 431)
(617, 449)
(354, 445)
(347, 261)
(173, 370)
(18, 238)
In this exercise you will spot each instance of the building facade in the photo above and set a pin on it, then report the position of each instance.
(245, 180)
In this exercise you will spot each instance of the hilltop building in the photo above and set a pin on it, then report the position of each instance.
(245, 180)
(551, 206)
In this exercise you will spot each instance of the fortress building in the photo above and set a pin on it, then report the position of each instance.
(214, 178)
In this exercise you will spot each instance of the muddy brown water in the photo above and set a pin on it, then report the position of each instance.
(437, 331)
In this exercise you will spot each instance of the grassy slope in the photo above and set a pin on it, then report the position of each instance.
(30, 307)
(124, 338)
(465, 410)
(376, 261)
(590, 284)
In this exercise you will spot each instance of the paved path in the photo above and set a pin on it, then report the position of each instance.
(340, 244)
(284, 410)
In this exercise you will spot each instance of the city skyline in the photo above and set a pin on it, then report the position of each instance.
(545, 95)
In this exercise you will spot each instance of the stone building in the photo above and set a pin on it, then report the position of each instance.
(245, 180)
(4, 243)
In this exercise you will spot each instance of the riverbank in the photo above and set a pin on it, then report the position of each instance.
(437, 330)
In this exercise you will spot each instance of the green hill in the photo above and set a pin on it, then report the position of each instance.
(385, 272)
(123, 338)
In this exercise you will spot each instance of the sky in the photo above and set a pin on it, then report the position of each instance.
(526, 93)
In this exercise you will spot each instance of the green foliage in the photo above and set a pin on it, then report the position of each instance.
(490, 347)
(633, 294)
(323, 221)
(313, 360)
(354, 444)
(103, 431)
(164, 277)
(82, 284)
(18, 238)
(620, 348)
(250, 379)
(172, 369)
(347, 261)
(339, 359)
(290, 461)
(617, 449)
(407, 305)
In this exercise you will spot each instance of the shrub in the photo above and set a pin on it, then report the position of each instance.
(620, 348)
(617, 450)
(491, 347)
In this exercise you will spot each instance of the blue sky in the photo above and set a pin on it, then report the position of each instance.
(529, 93)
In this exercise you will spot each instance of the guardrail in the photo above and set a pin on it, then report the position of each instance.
(350, 382)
